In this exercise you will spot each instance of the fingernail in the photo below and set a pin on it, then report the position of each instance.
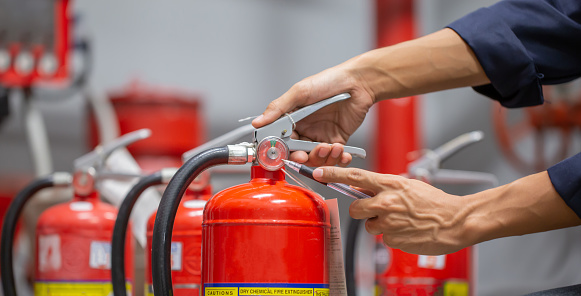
(335, 153)
(323, 152)
(318, 173)
(258, 118)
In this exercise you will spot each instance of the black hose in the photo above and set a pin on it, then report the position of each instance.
(162, 229)
(120, 231)
(4, 104)
(9, 228)
(350, 256)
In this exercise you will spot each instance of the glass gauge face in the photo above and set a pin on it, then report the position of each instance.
(270, 153)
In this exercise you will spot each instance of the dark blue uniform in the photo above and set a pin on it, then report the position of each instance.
(522, 44)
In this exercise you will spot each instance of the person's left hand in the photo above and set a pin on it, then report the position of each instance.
(413, 216)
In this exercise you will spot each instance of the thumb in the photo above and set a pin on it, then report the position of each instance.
(295, 97)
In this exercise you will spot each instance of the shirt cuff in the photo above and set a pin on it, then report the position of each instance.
(515, 82)
(566, 178)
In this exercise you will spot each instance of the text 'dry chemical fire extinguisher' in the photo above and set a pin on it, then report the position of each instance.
(266, 236)
(400, 273)
(73, 243)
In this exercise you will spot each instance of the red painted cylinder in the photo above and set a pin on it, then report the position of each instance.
(265, 237)
(73, 249)
(186, 245)
(173, 116)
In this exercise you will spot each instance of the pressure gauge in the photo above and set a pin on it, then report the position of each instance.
(270, 153)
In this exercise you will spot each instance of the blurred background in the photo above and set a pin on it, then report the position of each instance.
(234, 57)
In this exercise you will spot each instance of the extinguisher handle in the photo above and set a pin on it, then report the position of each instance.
(308, 146)
(427, 168)
(99, 155)
(432, 159)
(463, 177)
(456, 144)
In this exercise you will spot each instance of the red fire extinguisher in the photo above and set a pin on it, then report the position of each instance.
(264, 237)
(186, 245)
(400, 273)
(73, 239)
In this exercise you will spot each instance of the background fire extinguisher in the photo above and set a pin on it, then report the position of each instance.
(74, 238)
(400, 273)
(186, 244)
(264, 237)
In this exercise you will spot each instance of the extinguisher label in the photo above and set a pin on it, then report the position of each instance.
(100, 257)
(176, 255)
(266, 289)
(49, 253)
(49, 288)
(432, 262)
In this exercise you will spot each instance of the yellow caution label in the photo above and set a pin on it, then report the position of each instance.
(75, 288)
(221, 291)
(270, 289)
(453, 288)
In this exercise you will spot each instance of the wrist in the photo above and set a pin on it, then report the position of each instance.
(438, 61)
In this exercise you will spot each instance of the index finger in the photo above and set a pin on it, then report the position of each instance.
(357, 177)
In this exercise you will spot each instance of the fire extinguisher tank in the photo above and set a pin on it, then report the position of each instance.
(74, 248)
(265, 235)
(186, 245)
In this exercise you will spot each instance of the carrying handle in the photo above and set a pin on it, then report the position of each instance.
(99, 155)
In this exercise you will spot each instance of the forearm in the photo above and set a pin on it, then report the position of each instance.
(527, 205)
(438, 61)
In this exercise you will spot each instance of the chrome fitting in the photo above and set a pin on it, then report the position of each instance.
(241, 153)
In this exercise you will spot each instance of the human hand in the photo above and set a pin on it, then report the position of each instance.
(412, 216)
(332, 124)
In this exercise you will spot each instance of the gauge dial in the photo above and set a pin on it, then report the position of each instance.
(270, 153)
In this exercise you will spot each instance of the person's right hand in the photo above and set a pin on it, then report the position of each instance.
(332, 124)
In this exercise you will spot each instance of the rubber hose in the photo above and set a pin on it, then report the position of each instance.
(350, 256)
(162, 229)
(9, 228)
(120, 231)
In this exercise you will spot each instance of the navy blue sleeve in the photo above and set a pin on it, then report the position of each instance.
(566, 178)
(522, 44)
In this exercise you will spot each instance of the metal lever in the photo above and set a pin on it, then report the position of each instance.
(97, 157)
(432, 158)
(463, 177)
(299, 145)
(458, 143)
(310, 109)
(428, 166)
